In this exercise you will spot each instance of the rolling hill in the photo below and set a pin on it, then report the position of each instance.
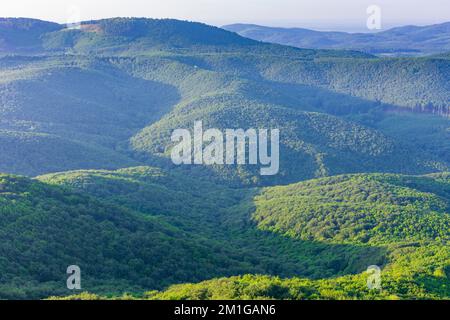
(406, 41)
(44, 229)
(90, 112)
(312, 144)
(402, 220)
(138, 228)
(407, 214)
(330, 105)
(371, 208)
(24, 35)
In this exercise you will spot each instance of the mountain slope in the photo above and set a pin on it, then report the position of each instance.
(35, 153)
(44, 229)
(184, 201)
(406, 217)
(45, 101)
(24, 35)
(371, 208)
(144, 228)
(312, 144)
(408, 40)
(146, 87)
(108, 96)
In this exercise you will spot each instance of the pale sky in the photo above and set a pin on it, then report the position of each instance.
(348, 15)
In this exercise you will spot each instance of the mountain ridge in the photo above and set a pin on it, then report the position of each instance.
(145, 88)
(90, 112)
(121, 35)
(405, 40)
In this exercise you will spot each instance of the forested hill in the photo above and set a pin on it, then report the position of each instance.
(322, 231)
(401, 41)
(91, 111)
(144, 228)
(337, 109)
(24, 35)
(131, 36)
(366, 208)
(140, 229)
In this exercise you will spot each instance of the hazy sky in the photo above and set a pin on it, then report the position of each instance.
(320, 14)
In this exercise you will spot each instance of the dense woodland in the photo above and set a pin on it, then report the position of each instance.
(85, 123)
(411, 246)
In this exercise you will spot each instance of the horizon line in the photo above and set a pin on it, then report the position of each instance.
(323, 28)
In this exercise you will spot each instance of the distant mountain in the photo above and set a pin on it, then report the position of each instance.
(152, 76)
(129, 36)
(143, 228)
(408, 40)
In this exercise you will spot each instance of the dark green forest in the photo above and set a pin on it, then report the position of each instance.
(127, 245)
(86, 117)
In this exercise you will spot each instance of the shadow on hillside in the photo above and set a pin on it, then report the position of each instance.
(316, 99)
(80, 118)
(279, 255)
(439, 286)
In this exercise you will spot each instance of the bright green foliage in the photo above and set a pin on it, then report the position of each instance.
(416, 273)
(143, 228)
(44, 229)
(377, 209)
(148, 204)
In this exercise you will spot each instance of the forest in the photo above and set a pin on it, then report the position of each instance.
(86, 119)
